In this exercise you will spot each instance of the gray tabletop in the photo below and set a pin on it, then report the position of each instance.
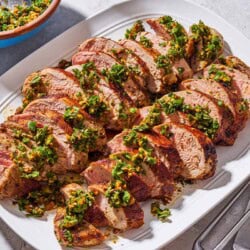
(236, 12)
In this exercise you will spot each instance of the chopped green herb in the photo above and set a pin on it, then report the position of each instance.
(117, 74)
(162, 214)
(95, 106)
(134, 30)
(146, 42)
(165, 63)
(32, 126)
(84, 139)
(219, 76)
(212, 44)
(87, 76)
(36, 80)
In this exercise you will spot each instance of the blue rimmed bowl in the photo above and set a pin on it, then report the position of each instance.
(15, 36)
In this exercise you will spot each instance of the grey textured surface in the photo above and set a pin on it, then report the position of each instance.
(236, 12)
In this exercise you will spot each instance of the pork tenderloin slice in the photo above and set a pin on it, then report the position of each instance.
(162, 148)
(208, 46)
(93, 215)
(195, 149)
(162, 80)
(235, 63)
(168, 32)
(56, 82)
(178, 117)
(11, 183)
(69, 159)
(100, 172)
(52, 82)
(225, 135)
(117, 115)
(84, 235)
(222, 94)
(60, 105)
(123, 218)
(132, 61)
(180, 66)
(239, 82)
(103, 61)
(167, 166)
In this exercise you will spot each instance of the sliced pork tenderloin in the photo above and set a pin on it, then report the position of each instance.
(180, 65)
(195, 149)
(101, 44)
(122, 218)
(208, 45)
(225, 134)
(161, 72)
(222, 94)
(83, 234)
(105, 101)
(78, 118)
(236, 81)
(126, 84)
(69, 159)
(12, 185)
(235, 63)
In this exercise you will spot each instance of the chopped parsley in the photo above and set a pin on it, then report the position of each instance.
(212, 43)
(87, 76)
(146, 42)
(117, 74)
(163, 62)
(134, 30)
(219, 76)
(161, 214)
(95, 106)
(84, 139)
(178, 35)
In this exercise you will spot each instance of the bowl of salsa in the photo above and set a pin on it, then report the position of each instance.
(24, 21)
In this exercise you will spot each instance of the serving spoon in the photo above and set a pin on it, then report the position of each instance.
(12, 3)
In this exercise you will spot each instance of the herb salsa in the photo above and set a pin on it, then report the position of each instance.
(21, 14)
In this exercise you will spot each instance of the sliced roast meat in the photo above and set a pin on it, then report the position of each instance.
(225, 134)
(235, 63)
(126, 84)
(140, 71)
(222, 94)
(237, 82)
(175, 33)
(52, 82)
(153, 182)
(61, 106)
(122, 218)
(208, 45)
(163, 77)
(11, 183)
(84, 235)
(161, 147)
(93, 214)
(163, 27)
(69, 159)
(100, 172)
(195, 149)
(116, 114)
(180, 66)
(177, 116)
